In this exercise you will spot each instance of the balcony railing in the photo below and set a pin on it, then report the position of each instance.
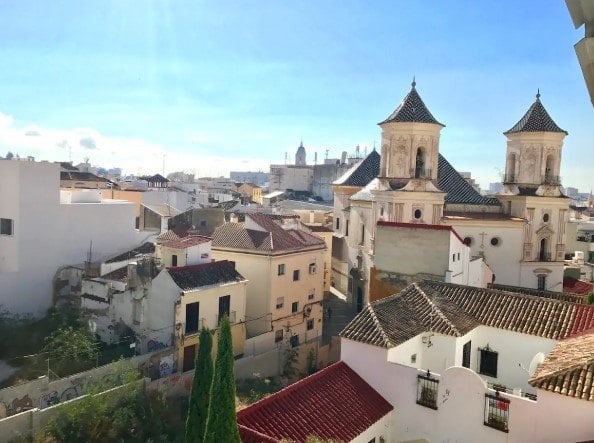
(194, 330)
(553, 180)
(544, 256)
(420, 173)
(232, 318)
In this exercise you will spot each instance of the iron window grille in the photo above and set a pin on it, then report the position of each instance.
(427, 387)
(497, 412)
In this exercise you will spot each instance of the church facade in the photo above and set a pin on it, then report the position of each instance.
(520, 234)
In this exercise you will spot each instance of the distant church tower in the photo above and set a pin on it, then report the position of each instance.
(408, 190)
(300, 156)
(532, 191)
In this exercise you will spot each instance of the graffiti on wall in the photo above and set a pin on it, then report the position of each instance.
(154, 345)
(16, 406)
(46, 400)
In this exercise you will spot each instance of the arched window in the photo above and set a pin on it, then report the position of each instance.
(510, 173)
(543, 254)
(420, 163)
(549, 169)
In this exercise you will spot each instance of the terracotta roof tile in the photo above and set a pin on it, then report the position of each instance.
(564, 296)
(207, 274)
(454, 310)
(186, 242)
(576, 286)
(323, 405)
(569, 368)
(271, 238)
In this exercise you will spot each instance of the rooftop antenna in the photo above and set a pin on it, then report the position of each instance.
(327, 151)
(286, 157)
(316, 158)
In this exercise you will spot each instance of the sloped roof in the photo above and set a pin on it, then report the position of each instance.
(565, 296)
(207, 274)
(456, 188)
(333, 404)
(157, 178)
(363, 172)
(76, 175)
(536, 119)
(145, 248)
(163, 210)
(412, 109)
(454, 310)
(272, 238)
(186, 242)
(569, 368)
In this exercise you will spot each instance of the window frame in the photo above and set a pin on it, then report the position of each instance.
(309, 324)
(496, 413)
(483, 369)
(3, 225)
(281, 269)
(296, 275)
(295, 307)
(281, 304)
(427, 391)
(279, 337)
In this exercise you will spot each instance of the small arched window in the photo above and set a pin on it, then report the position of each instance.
(420, 163)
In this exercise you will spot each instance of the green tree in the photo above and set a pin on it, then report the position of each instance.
(591, 298)
(70, 349)
(221, 424)
(200, 394)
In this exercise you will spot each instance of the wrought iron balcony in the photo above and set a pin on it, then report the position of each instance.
(232, 318)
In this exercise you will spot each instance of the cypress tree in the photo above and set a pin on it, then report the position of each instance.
(221, 425)
(200, 394)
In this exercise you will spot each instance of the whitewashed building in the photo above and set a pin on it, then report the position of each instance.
(43, 229)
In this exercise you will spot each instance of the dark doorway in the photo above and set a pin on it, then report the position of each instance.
(359, 299)
(189, 356)
(466, 354)
(224, 307)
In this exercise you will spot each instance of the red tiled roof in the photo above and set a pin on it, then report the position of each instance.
(186, 242)
(576, 286)
(334, 403)
(271, 238)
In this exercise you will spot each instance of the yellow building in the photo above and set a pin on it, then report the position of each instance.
(207, 292)
(285, 272)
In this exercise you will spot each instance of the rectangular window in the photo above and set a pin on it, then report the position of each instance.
(488, 363)
(337, 223)
(427, 387)
(453, 257)
(296, 275)
(278, 335)
(203, 223)
(413, 358)
(281, 269)
(294, 341)
(466, 354)
(294, 307)
(310, 324)
(311, 295)
(346, 228)
(542, 282)
(192, 312)
(224, 307)
(458, 256)
(280, 302)
(174, 260)
(205, 255)
(497, 412)
(362, 241)
(312, 268)
(6, 226)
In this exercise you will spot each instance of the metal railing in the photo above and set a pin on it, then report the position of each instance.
(232, 317)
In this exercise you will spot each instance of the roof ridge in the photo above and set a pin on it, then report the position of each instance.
(562, 370)
(439, 312)
(378, 324)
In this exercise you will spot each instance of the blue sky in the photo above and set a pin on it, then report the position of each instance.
(226, 85)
